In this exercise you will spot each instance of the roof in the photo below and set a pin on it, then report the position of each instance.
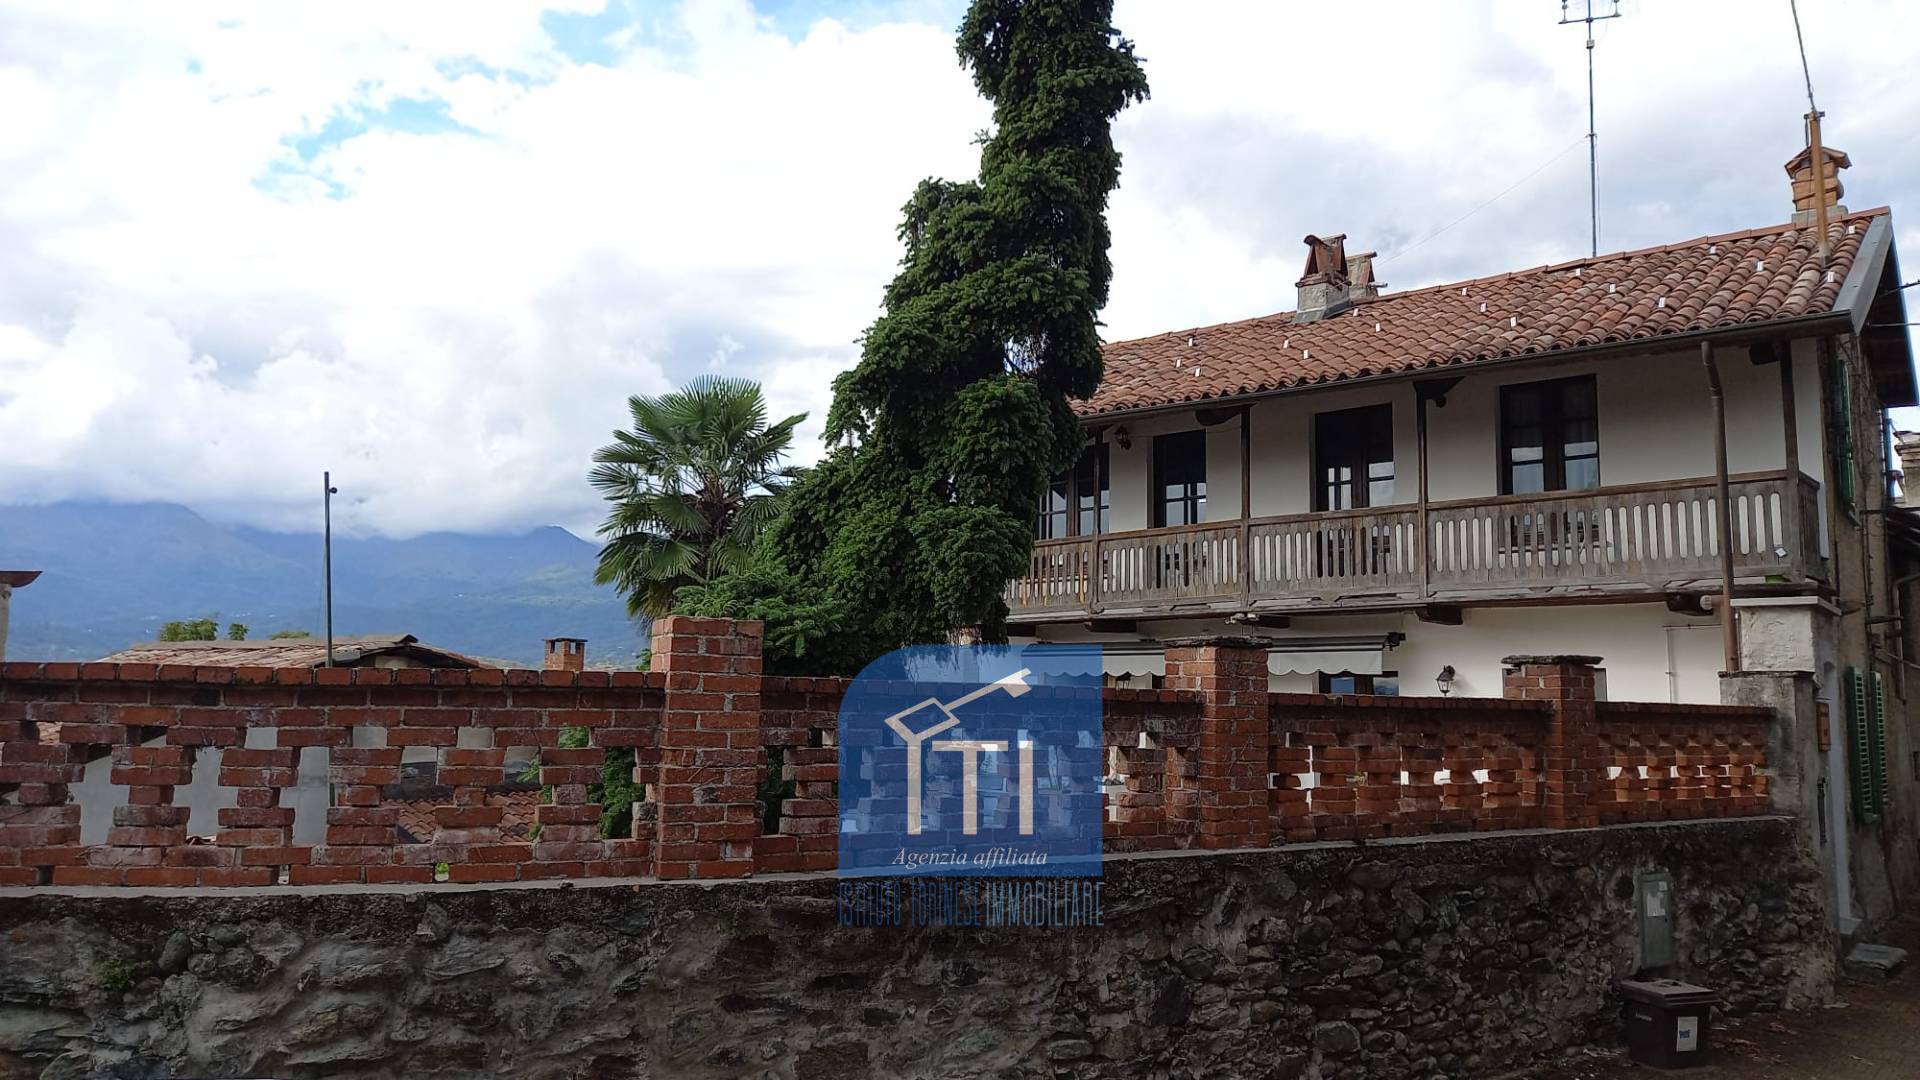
(290, 652)
(1732, 280)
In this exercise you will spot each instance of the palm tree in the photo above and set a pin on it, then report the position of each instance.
(691, 486)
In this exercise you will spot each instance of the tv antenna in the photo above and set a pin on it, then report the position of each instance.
(1593, 137)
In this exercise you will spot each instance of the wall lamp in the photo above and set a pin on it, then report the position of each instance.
(1444, 680)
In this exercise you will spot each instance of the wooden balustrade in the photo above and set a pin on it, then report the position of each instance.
(1652, 536)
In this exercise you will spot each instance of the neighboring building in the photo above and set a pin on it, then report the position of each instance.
(366, 650)
(1906, 449)
(9, 581)
(1398, 490)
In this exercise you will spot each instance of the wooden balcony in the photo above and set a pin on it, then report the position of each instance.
(1648, 539)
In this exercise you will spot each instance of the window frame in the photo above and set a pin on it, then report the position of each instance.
(1195, 499)
(1552, 422)
(1069, 488)
(1362, 427)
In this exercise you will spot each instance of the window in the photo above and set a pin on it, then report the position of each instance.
(1180, 479)
(1385, 684)
(1840, 425)
(1353, 458)
(1071, 502)
(1549, 436)
(1093, 505)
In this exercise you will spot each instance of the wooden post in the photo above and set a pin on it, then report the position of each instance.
(1723, 519)
(1420, 544)
(1246, 507)
(1790, 498)
(1819, 162)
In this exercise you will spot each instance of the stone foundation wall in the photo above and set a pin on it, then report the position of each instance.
(1425, 957)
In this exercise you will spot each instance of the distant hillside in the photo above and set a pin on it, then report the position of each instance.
(115, 572)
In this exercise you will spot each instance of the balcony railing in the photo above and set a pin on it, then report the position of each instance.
(1652, 536)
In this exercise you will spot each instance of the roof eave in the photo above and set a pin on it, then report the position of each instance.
(1824, 322)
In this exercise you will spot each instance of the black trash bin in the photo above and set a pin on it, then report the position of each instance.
(1669, 1023)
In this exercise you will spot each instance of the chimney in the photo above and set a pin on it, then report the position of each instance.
(9, 581)
(566, 654)
(1323, 287)
(1808, 200)
(1360, 283)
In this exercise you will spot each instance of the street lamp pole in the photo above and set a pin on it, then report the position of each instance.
(326, 554)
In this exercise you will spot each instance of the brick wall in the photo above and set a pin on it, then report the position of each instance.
(1213, 761)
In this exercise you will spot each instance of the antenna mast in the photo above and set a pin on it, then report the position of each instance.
(1593, 137)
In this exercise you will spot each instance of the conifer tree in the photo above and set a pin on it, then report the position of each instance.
(957, 414)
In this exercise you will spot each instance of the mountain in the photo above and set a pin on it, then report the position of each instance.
(113, 572)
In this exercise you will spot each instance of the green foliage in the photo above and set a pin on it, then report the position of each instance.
(957, 413)
(206, 629)
(237, 631)
(114, 973)
(615, 793)
(690, 487)
(283, 635)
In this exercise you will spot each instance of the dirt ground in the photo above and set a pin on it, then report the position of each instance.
(1871, 1033)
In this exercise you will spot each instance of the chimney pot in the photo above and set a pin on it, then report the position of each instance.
(1324, 285)
(1806, 199)
(566, 654)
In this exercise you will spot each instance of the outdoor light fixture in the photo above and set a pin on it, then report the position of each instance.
(1124, 437)
(1444, 680)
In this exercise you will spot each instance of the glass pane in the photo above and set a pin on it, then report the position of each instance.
(1527, 479)
(1380, 492)
(1386, 685)
(1583, 473)
(1577, 399)
(1340, 684)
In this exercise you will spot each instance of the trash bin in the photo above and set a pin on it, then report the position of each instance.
(1668, 1022)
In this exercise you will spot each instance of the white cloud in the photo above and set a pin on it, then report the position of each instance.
(429, 247)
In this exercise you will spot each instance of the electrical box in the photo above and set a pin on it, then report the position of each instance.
(1653, 898)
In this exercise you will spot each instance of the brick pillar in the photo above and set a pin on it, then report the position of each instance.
(570, 825)
(1230, 762)
(711, 757)
(43, 831)
(257, 826)
(360, 831)
(1570, 761)
(150, 824)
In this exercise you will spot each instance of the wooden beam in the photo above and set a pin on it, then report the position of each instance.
(1439, 614)
(1111, 626)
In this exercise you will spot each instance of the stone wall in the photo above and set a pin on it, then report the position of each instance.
(1423, 957)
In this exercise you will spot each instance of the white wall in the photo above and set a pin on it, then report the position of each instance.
(1656, 423)
(1648, 652)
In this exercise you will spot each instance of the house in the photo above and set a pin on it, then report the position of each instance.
(1402, 488)
(1397, 490)
(368, 650)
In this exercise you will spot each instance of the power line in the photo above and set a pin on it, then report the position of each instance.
(1542, 167)
(1805, 71)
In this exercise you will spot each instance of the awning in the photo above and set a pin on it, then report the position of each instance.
(1362, 654)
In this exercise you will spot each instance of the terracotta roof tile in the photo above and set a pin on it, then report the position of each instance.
(288, 652)
(1715, 281)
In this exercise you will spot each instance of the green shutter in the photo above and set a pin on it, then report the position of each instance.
(1859, 748)
(1877, 739)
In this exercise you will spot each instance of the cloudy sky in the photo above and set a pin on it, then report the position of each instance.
(434, 245)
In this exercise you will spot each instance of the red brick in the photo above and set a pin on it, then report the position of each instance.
(325, 875)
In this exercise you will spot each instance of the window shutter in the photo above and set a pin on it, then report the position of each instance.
(1859, 748)
(1842, 426)
(1877, 738)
